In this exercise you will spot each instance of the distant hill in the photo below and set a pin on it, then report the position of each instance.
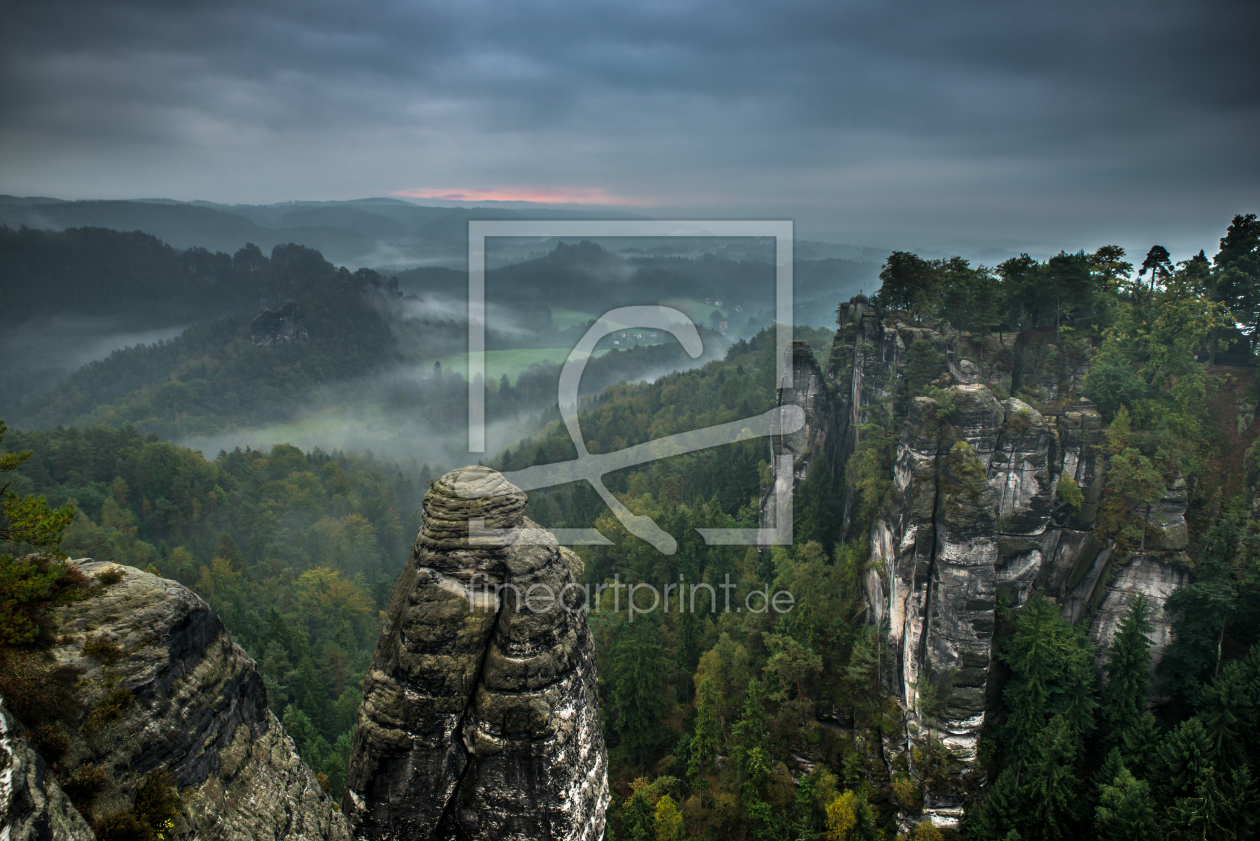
(586, 276)
(75, 295)
(363, 232)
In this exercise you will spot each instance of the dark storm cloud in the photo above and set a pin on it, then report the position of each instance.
(877, 115)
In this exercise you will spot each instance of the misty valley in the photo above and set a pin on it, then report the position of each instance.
(1012, 542)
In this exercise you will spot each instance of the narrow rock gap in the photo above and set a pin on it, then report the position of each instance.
(447, 817)
(930, 597)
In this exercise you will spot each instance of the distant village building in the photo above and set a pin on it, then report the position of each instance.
(717, 303)
(708, 300)
(739, 309)
(721, 326)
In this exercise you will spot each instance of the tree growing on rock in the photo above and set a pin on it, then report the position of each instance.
(1133, 487)
(27, 583)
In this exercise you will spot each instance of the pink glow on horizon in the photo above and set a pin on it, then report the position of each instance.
(596, 195)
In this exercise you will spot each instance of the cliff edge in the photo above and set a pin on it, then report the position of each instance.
(167, 705)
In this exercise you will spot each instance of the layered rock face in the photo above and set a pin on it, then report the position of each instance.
(32, 804)
(480, 717)
(163, 687)
(278, 326)
(816, 441)
(973, 515)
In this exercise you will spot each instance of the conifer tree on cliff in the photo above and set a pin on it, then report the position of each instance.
(27, 582)
(1238, 273)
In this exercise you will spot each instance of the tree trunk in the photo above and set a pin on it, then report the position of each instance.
(800, 698)
(1220, 642)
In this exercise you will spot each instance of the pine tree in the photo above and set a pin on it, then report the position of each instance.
(923, 364)
(750, 732)
(1127, 811)
(862, 676)
(1134, 485)
(791, 667)
(1128, 673)
(1184, 759)
(1228, 712)
(1204, 604)
(1104, 776)
(1139, 741)
(704, 745)
(27, 583)
(1028, 692)
(1222, 808)
(1002, 810)
(637, 677)
(229, 552)
(1158, 263)
(1079, 708)
(1048, 783)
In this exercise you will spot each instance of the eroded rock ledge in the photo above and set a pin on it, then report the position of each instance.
(480, 717)
(974, 514)
(32, 804)
(163, 687)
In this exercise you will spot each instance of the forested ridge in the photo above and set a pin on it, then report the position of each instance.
(774, 726)
(768, 726)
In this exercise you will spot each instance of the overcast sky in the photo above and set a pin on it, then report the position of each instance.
(1072, 122)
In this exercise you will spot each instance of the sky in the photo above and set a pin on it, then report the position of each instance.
(1064, 122)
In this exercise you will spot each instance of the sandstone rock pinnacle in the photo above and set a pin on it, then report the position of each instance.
(480, 717)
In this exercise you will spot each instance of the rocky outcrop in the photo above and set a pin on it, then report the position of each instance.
(974, 515)
(864, 364)
(935, 583)
(381, 293)
(1155, 579)
(480, 717)
(164, 687)
(815, 442)
(279, 326)
(32, 805)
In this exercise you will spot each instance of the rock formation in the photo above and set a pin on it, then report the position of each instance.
(816, 440)
(32, 804)
(973, 515)
(278, 326)
(381, 293)
(480, 717)
(163, 687)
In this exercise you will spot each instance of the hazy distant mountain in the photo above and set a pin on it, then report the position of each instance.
(371, 232)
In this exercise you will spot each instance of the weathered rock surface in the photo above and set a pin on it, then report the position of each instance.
(180, 695)
(480, 717)
(1153, 578)
(815, 442)
(974, 514)
(278, 326)
(32, 805)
